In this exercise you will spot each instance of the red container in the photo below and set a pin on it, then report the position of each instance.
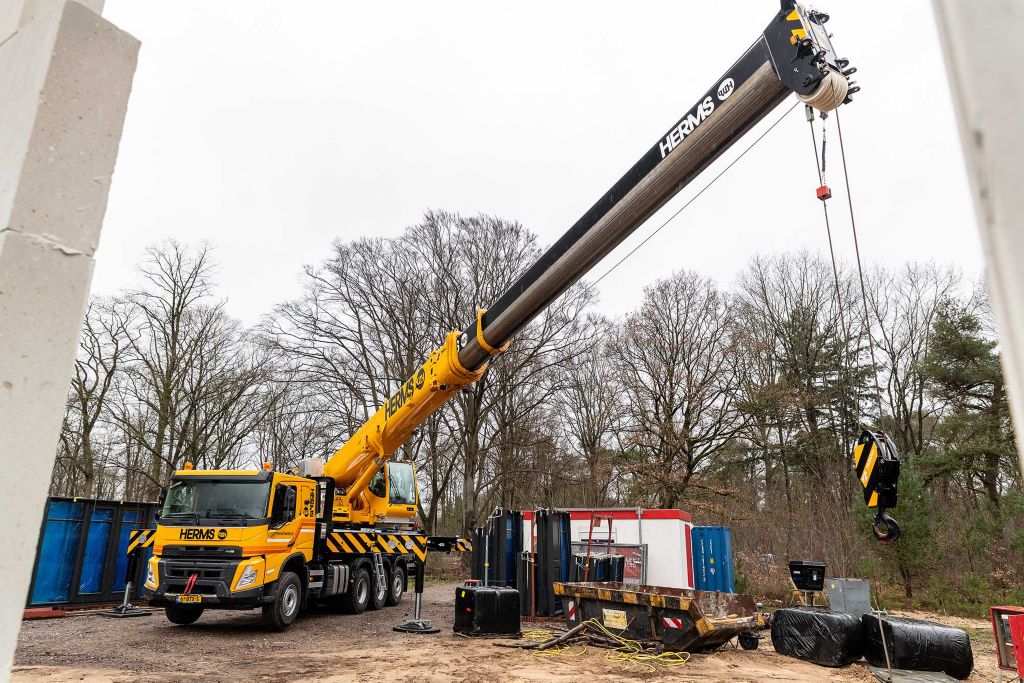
(1008, 632)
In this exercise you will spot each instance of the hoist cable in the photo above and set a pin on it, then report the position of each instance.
(832, 253)
(694, 197)
(860, 271)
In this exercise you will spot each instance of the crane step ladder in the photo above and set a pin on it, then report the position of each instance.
(378, 572)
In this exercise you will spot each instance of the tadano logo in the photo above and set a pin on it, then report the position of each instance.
(725, 89)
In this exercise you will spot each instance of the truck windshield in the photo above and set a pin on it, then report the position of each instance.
(229, 502)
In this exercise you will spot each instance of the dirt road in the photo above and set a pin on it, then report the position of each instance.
(232, 646)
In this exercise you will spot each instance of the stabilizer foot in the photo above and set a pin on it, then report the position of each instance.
(417, 626)
(125, 611)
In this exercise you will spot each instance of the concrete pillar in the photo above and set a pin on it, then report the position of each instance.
(983, 45)
(65, 76)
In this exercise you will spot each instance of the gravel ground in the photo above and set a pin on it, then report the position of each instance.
(231, 646)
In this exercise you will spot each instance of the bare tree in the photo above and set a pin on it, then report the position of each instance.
(673, 363)
(101, 352)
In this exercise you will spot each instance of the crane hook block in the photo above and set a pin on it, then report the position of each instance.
(824, 192)
(878, 469)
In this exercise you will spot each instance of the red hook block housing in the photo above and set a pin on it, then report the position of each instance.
(824, 193)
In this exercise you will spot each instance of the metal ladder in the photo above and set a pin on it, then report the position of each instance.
(378, 570)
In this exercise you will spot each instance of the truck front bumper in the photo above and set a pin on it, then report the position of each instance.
(212, 585)
(247, 599)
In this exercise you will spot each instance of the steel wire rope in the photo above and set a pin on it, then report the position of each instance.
(860, 271)
(831, 249)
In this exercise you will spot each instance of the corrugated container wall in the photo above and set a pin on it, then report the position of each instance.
(712, 559)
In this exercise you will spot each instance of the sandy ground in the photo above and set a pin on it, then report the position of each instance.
(231, 646)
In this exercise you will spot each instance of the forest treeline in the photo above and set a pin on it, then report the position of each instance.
(740, 404)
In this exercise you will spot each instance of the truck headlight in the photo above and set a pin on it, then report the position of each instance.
(150, 576)
(248, 577)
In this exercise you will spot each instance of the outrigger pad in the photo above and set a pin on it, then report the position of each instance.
(124, 612)
(416, 626)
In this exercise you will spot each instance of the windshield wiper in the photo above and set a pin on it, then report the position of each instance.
(230, 513)
(175, 515)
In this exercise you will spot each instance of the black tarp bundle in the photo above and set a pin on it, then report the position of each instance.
(917, 645)
(816, 635)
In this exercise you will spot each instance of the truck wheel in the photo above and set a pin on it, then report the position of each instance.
(396, 586)
(280, 614)
(749, 641)
(183, 616)
(378, 593)
(358, 594)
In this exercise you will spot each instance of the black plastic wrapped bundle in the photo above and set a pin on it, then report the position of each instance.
(815, 635)
(918, 645)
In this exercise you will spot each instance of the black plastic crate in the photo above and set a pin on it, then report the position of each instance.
(486, 611)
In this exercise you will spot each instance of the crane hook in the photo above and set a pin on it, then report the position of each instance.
(877, 465)
(885, 528)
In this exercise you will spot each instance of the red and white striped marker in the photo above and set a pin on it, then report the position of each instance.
(672, 623)
(571, 605)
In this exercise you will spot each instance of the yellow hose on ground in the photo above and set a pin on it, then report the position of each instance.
(629, 652)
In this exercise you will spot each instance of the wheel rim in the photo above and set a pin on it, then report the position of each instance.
(290, 601)
(398, 584)
(361, 592)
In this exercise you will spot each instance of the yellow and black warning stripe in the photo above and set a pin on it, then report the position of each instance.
(463, 546)
(798, 32)
(363, 542)
(140, 538)
(866, 458)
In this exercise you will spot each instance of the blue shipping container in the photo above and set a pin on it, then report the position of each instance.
(712, 559)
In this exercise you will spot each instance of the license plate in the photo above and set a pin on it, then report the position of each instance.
(190, 598)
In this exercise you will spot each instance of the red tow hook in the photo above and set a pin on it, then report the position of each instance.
(190, 584)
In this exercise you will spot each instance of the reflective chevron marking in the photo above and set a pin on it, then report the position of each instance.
(362, 542)
(140, 538)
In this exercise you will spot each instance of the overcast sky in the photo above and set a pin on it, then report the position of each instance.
(271, 129)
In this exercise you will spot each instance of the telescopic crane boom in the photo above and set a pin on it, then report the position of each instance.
(793, 54)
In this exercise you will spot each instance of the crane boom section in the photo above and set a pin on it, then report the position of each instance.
(793, 54)
(354, 464)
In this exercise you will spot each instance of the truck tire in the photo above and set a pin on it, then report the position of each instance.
(183, 616)
(280, 614)
(357, 596)
(396, 586)
(379, 594)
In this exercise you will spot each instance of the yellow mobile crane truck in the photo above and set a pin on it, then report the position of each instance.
(343, 530)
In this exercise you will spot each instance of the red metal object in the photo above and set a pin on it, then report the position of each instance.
(1017, 638)
(824, 193)
(43, 613)
(590, 539)
(1009, 644)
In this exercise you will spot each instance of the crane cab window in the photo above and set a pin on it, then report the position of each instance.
(378, 486)
(398, 485)
(283, 509)
(402, 484)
